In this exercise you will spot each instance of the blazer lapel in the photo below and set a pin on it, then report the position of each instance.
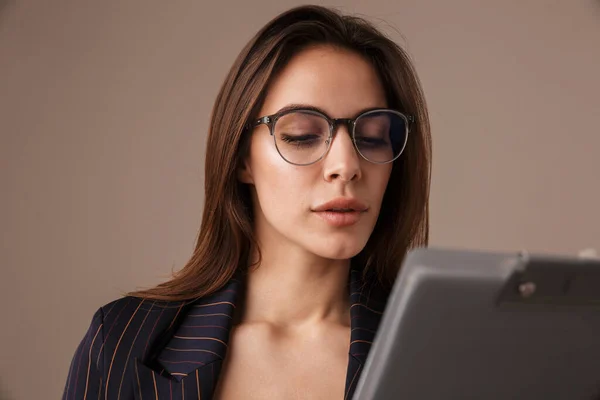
(188, 361)
(367, 303)
(202, 336)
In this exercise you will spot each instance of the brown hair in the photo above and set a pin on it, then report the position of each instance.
(226, 235)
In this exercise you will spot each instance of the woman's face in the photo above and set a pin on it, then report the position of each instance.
(291, 202)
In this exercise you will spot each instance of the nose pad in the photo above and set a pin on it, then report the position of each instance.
(338, 124)
(347, 122)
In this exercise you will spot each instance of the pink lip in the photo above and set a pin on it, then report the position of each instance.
(340, 219)
(353, 209)
(348, 203)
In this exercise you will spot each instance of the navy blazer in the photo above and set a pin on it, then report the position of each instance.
(146, 349)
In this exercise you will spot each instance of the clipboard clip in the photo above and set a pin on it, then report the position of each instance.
(552, 282)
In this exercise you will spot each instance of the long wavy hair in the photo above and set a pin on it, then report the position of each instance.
(226, 236)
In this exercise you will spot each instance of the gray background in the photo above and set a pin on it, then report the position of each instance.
(104, 107)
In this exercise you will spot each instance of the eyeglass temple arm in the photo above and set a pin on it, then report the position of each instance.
(411, 120)
(263, 120)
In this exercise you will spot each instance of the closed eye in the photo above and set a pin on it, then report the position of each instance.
(371, 141)
(301, 140)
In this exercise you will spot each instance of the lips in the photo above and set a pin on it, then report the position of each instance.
(341, 212)
(342, 204)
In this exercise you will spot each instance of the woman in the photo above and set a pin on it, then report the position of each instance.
(317, 182)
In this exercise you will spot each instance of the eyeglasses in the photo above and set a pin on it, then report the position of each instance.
(303, 136)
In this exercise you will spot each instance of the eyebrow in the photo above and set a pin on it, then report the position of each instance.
(309, 107)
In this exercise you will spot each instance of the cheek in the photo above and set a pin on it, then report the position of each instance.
(281, 188)
(378, 179)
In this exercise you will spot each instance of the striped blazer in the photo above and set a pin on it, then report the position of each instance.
(145, 349)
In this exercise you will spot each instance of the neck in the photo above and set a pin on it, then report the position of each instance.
(290, 287)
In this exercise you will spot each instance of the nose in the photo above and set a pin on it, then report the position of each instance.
(342, 162)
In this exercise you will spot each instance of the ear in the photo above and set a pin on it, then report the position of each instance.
(244, 173)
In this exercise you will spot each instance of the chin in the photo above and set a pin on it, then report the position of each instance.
(338, 249)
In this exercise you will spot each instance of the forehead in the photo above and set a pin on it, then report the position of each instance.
(339, 81)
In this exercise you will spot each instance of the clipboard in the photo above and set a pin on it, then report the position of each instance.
(490, 326)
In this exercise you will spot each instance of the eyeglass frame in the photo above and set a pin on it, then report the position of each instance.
(271, 120)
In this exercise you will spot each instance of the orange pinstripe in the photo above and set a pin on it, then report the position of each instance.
(360, 341)
(214, 304)
(199, 338)
(210, 315)
(352, 382)
(198, 384)
(137, 375)
(154, 381)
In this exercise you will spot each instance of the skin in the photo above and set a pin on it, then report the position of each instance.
(292, 335)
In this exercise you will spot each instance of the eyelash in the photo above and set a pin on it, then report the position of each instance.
(304, 140)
